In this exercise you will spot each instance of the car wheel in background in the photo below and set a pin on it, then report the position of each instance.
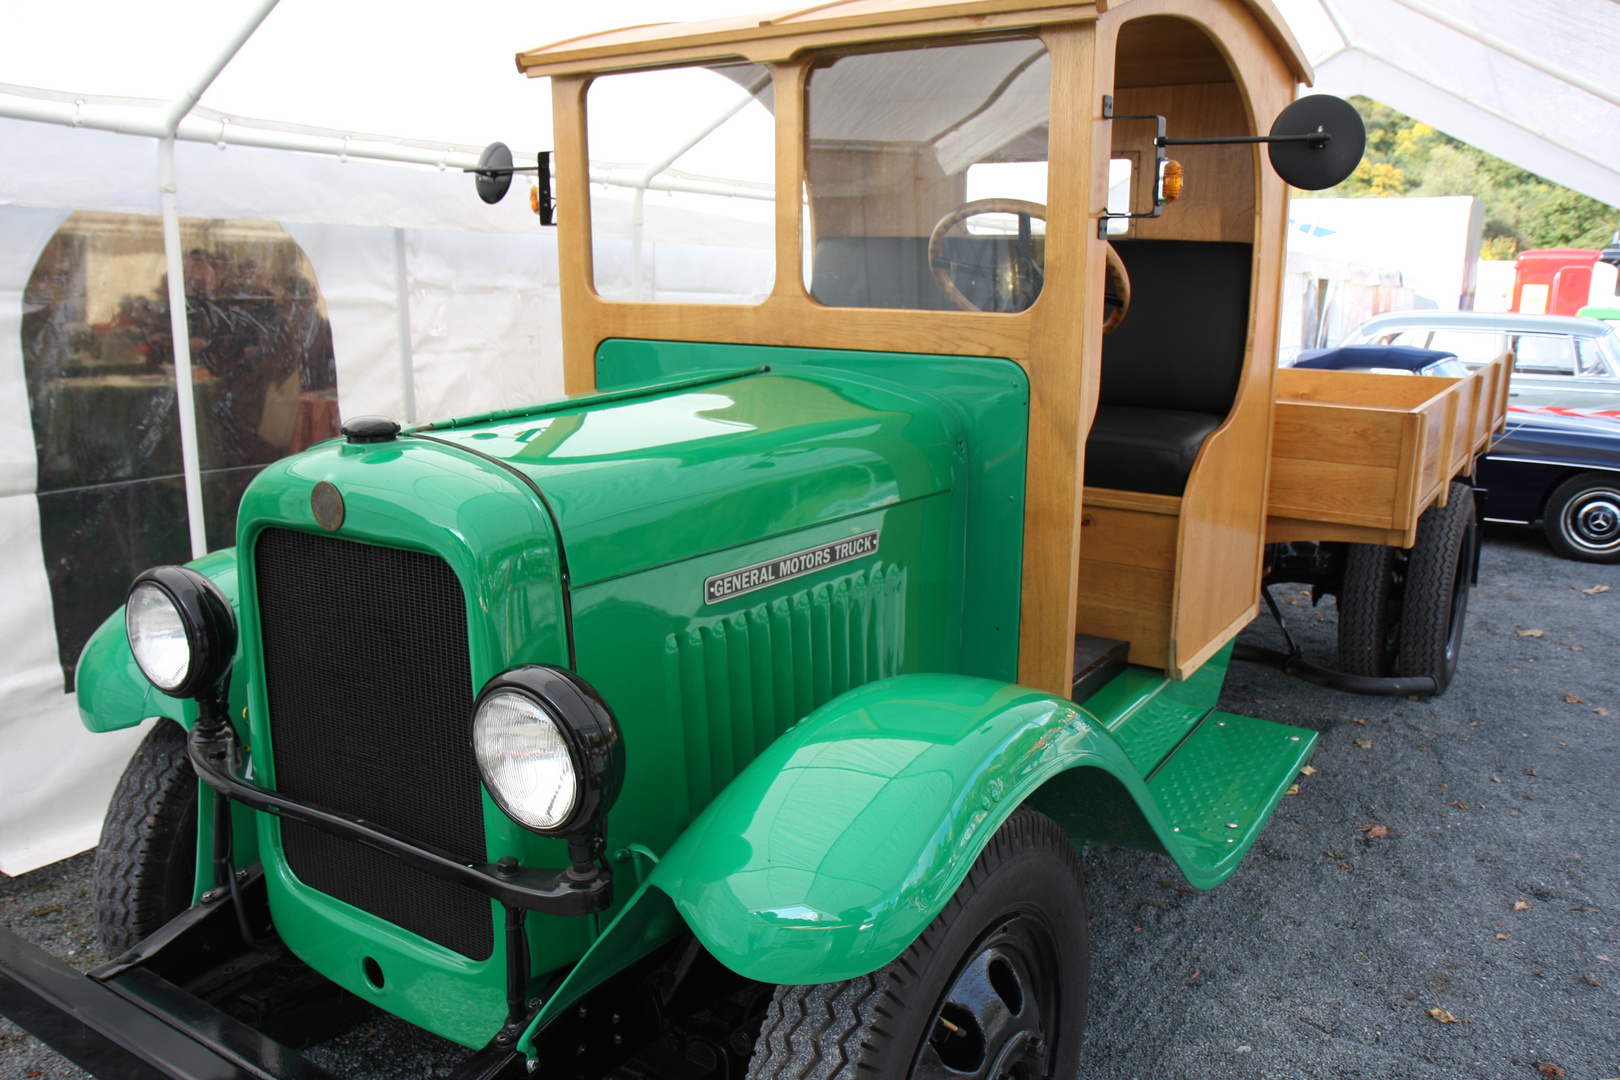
(1439, 571)
(994, 987)
(1583, 518)
(146, 865)
(1369, 610)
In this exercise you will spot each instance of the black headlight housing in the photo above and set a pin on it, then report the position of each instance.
(588, 731)
(204, 617)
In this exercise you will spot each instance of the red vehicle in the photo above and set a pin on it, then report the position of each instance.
(1553, 281)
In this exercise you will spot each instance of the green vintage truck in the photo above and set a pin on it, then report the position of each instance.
(789, 662)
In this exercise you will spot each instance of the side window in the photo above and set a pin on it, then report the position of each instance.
(98, 355)
(683, 184)
(1543, 354)
(1473, 347)
(1415, 338)
(1589, 359)
(926, 173)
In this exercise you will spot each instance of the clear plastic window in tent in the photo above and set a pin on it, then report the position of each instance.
(683, 184)
(927, 172)
(98, 356)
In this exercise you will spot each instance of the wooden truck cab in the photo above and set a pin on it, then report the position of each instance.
(1174, 572)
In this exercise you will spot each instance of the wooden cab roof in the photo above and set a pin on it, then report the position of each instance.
(780, 35)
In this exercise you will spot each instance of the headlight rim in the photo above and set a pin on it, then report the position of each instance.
(589, 731)
(208, 622)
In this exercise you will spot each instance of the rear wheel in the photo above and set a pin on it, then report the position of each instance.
(994, 988)
(1439, 570)
(146, 865)
(1583, 518)
(1368, 610)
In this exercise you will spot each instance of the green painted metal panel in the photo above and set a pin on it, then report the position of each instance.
(1149, 714)
(990, 397)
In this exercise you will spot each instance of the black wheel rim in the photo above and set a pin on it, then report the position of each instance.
(1591, 521)
(996, 1020)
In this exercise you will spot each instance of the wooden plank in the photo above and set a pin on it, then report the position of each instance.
(1128, 603)
(1140, 501)
(1334, 491)
(1317, 431)
(1128, 537)
(1283, 530)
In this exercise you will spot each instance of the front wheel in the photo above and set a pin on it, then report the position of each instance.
(1583, 518)
(993, 989)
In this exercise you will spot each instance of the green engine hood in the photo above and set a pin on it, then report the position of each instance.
(643, 478)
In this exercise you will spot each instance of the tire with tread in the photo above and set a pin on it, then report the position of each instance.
(1368, 610)
(146, 864)
(875, 1026)
(1435, 602)
(1583, 518)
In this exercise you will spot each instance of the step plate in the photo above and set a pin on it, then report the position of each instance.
(1220, 787)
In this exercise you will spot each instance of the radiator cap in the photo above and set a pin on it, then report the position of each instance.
(370, 429)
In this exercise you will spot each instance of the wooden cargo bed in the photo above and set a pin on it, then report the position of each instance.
(1358, 456)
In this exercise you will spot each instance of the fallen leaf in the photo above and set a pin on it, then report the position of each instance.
(1571, 699)
(1194, 975)
(1501, 937)
(1548, 1069)
(1592, 910)
(1532, 633)
(1530, 772)
(1259, 701)
(1358, 719)
(1344, 866)
(1423, 748)
(1496, 779)
(1595, 589)
(1576, 648)
(1308, 771)
(1458, 805)
(1365, 744)
(1443, 1016)
(1521, 904)
(1603, 958)
(1293, 790)
(1376, 832)
(1601, 712)
(1136, 929)
(1589, 981)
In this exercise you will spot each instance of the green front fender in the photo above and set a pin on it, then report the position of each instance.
(112, 691)
(836, 847)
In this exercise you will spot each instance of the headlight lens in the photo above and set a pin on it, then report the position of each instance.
(157, 636)
(525, 761)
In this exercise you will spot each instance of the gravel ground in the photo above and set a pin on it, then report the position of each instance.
(1492, 898)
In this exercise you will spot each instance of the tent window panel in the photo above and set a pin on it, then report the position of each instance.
(683, 179)
(927, 172)
(98, 355)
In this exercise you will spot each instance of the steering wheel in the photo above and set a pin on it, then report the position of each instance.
(1023, 276)
(1013, 286)
(1116, 292)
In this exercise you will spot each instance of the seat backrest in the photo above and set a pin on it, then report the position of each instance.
(1181, 345)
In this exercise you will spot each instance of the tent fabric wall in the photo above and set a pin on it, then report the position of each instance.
(483, 300)
(55, 777)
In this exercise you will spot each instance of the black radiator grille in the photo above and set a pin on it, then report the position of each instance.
(370, 696)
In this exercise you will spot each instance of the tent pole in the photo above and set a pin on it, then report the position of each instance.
(402, 309)
(179, 325)
(179, 328)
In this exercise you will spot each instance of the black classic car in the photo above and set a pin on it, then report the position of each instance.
(1562, 468)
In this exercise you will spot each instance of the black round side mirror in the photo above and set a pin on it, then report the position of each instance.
(494, 172)
(1314, 164)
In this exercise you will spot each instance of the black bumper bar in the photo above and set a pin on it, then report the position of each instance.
(552, 892)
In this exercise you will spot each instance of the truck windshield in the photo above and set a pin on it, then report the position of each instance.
(927, 177)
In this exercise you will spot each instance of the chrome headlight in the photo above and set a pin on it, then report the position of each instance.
(548, 749)
(181, 630)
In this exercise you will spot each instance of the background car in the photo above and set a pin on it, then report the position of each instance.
(1384, 360)
(1559, 361)
(1562, 470)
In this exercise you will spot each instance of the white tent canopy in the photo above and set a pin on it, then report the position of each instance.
(439, 304)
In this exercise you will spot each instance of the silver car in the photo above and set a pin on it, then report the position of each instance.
(1559, 361)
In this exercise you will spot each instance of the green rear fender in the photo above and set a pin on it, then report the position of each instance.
(836, 847)
(112, 691)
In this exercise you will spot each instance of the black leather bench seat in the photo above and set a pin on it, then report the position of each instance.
(1171, 370)
(1150, 450)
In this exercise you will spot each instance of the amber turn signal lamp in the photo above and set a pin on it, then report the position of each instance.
(534, 199)
(1170, 181)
